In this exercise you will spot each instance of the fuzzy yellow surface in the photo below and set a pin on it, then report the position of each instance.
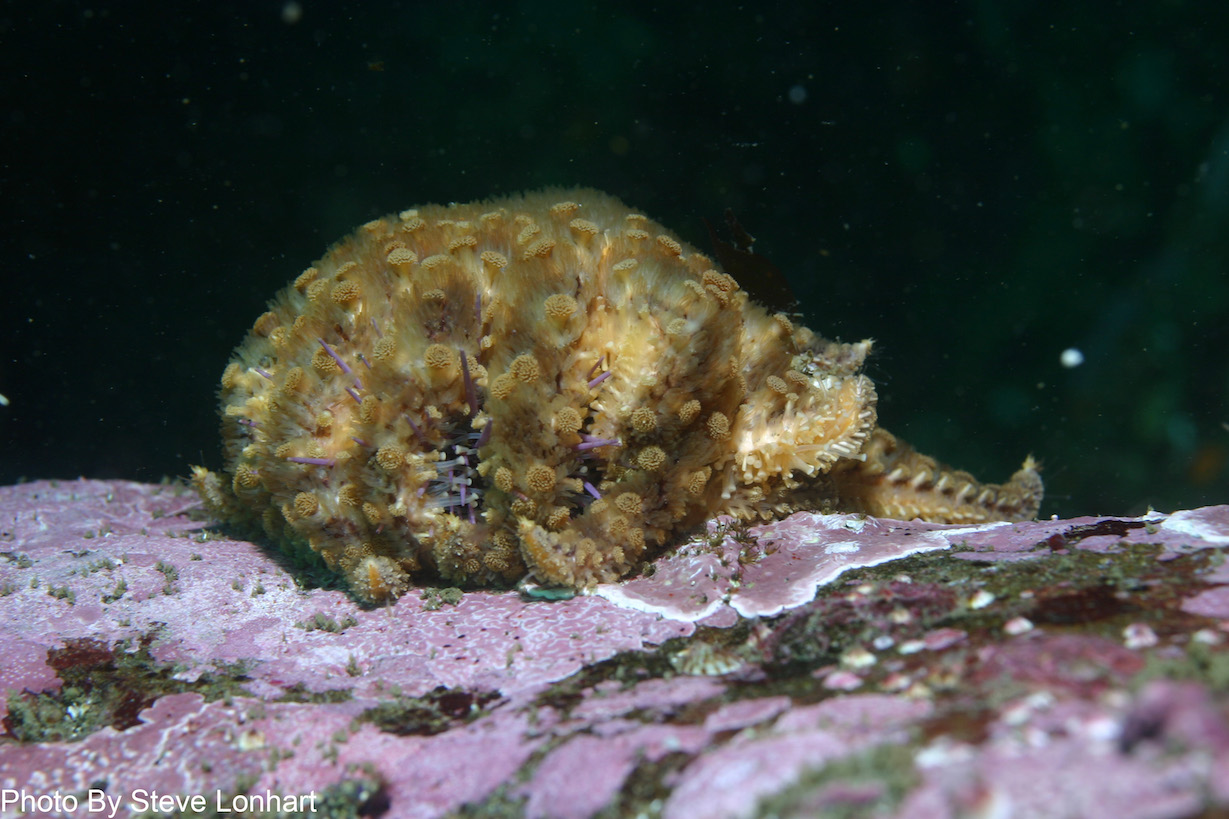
(547, 385)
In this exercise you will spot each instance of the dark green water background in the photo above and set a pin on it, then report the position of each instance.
(978, 186)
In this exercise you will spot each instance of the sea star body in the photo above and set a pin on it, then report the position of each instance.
(548, 385)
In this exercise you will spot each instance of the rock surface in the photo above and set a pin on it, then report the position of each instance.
(838, 663)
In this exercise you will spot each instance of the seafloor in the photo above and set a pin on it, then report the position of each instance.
(819, 666)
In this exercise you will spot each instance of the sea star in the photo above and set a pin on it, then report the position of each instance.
(548, 386)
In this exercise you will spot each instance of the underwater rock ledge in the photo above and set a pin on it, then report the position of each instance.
(912, 669)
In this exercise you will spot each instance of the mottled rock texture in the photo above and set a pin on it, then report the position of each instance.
(818, 663)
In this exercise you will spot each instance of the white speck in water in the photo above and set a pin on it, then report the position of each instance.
(1071, 358)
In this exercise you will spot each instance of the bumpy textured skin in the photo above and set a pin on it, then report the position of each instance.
(548, 386)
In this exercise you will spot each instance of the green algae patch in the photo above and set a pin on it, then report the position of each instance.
(872, 783)
(299, 693)
(1053, 585)
(432, 713)
(627, 668)
(647, 787)
(923, 623)
(842, 617)
(322, 622)
(354, 798)
(105, 685)
(1200, 662)
(363, 795)
(433, 599)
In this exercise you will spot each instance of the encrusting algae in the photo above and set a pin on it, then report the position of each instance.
(548, 386)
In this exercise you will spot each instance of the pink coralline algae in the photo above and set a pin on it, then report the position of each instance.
(834, 663)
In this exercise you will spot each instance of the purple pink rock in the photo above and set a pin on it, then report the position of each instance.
(1026, 669)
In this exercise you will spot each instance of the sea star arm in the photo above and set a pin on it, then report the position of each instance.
(896, 481)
